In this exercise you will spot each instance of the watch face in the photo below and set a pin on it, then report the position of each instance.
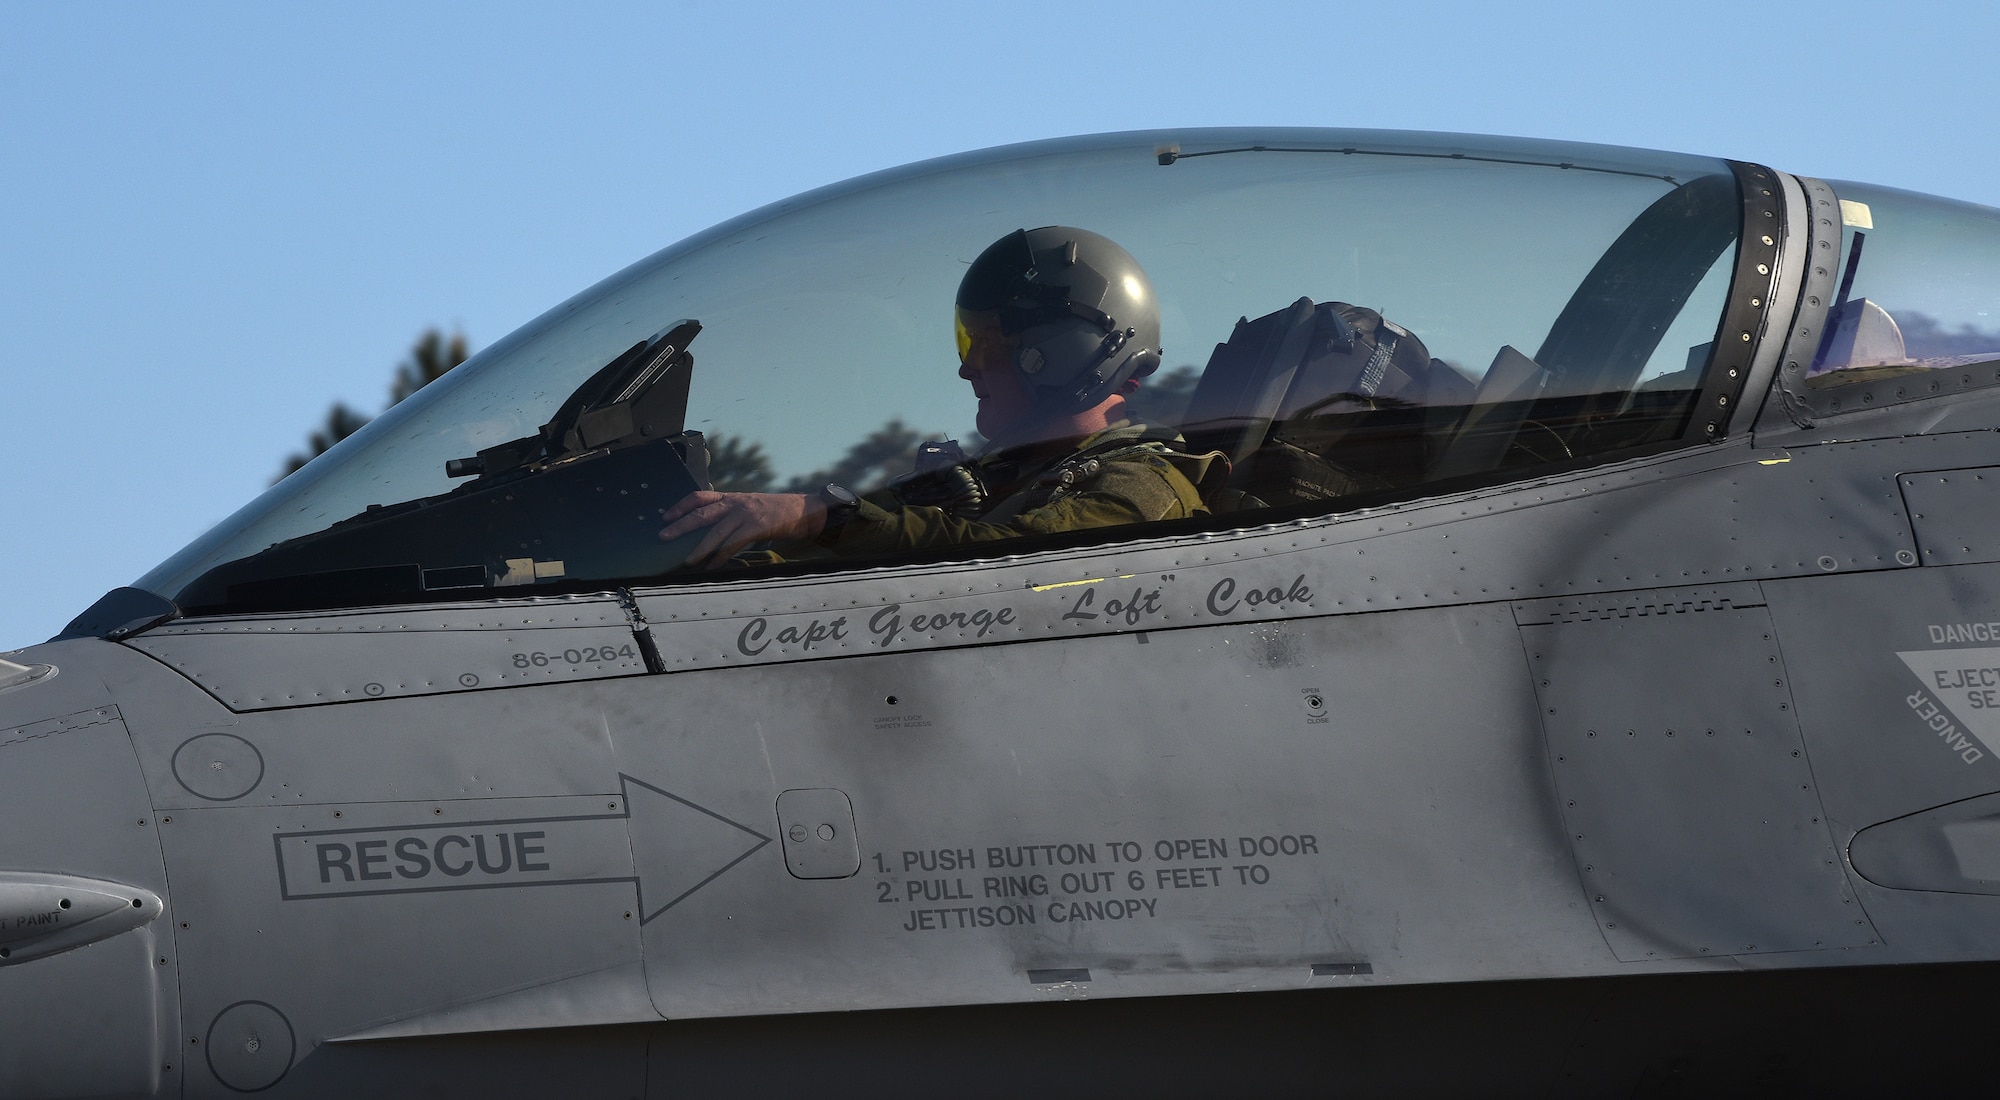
(840, 496)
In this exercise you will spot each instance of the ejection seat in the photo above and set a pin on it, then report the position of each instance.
(1318, 401)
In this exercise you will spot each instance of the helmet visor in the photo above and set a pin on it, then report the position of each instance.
(972, 327)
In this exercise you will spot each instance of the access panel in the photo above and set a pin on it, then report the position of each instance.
(1686, 792)
(1316, 803)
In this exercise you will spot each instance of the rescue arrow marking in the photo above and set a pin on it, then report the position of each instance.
(681, 842)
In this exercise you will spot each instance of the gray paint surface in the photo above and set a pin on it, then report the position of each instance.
(1688, 800)
(99, 826)
(1375, 725)
(266, 662)
(1456, 740)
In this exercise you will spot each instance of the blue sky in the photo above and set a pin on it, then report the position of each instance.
(220, 218)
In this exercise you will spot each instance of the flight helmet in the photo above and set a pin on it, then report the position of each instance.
(1077, 310)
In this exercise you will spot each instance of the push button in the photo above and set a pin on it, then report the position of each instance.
(817, 825)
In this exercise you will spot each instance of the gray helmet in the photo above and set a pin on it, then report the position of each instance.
(1079, 306)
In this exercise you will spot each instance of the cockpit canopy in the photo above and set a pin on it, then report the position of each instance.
(1916, 288)
(1349, 317)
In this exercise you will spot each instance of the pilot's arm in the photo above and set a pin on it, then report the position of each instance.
(1137, 489)
(735, 520)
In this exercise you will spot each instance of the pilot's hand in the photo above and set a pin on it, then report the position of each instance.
(735, 520)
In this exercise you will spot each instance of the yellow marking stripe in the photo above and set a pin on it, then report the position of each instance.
(1073, 584)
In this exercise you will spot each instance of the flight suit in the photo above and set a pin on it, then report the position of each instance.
(1127, 473)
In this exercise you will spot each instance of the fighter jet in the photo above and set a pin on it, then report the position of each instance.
(1571, 664)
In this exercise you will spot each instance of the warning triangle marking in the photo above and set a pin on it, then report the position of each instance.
(1967, 682)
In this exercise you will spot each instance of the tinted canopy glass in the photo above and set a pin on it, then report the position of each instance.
(1919, 287)
(1343, 315)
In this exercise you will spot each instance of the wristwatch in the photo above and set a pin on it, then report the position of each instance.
(841, 505)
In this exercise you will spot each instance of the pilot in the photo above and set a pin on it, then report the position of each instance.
(1056, 326)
